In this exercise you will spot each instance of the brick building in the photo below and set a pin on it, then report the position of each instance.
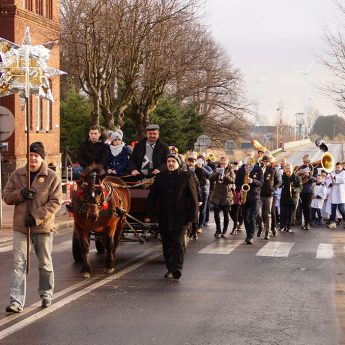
(43, 19)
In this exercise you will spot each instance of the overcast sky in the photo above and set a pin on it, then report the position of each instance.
(273, 42)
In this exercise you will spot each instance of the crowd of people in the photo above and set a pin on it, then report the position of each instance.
(263, 195)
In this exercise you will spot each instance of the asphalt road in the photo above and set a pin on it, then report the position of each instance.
(285, 291)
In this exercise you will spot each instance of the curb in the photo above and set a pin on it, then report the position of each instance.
(8, 237)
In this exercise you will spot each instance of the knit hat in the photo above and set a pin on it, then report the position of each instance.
(176, 157)
(266, 158)
(115, 135)
(37, 147)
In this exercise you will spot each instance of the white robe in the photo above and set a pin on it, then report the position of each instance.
(321, 191)
(338, 191)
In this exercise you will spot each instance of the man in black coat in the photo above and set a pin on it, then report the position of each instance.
(251, 174)
(92, 150)
(178, 205)
(149, 154)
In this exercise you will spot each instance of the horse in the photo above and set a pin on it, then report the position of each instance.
(100, 205)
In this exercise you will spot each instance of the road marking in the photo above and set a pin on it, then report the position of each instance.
(325, 251)
(143, 258)
(221, 247)
(6, 248)
(276, 249)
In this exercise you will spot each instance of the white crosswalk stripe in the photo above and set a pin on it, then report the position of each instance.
(276, 249)
(221, 247)
(325, 251)
(6, 248)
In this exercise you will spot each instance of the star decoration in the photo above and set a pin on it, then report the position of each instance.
(25, 68)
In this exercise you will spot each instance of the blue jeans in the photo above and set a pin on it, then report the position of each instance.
(341, 208)
(202, 209)
(43, 244)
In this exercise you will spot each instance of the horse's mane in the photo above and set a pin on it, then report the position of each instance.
(97, 168)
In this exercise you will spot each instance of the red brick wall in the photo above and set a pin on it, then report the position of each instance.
(14, 19)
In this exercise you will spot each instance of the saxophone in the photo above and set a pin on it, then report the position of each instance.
(245, 186)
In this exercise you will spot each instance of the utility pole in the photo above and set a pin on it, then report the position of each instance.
(279, 134)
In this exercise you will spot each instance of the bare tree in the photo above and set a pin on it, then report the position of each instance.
(334, 58)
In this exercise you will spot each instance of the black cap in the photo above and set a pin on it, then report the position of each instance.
(37, 147)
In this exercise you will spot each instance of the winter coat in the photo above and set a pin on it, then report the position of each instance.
(178, 200)
(338, 190)
(160, 153)
(46, 203)
(295, 182)
(308, 185)
(271, 182)
(118, 163)
(255, 187)
(223, 190)
(319, 193)
(90, 152)
(204, 182)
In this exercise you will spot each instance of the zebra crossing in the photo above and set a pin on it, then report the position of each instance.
(278, 249)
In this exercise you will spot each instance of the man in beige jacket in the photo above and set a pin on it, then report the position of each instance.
(35, 207)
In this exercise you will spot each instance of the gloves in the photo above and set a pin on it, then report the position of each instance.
(29, 221)
(28, 193)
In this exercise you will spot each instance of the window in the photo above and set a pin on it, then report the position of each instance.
(39, 127)
(28, 5)
(49, 9)
(39, 7)
(50, 110)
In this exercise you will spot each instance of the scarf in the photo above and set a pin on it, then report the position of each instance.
(115, 150)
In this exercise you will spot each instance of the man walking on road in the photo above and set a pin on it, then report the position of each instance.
(178, 205)
(35, 207)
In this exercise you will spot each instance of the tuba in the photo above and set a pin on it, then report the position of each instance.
(326, 162)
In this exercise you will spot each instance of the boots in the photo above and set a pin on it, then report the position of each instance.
(259, 231)
(267, 235)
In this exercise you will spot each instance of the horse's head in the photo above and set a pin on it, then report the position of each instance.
(93, 191)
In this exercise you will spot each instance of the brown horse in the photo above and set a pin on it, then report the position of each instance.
(99, 206)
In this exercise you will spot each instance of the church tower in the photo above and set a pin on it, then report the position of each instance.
(43, 19)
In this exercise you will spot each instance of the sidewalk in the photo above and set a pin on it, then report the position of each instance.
(7, 221)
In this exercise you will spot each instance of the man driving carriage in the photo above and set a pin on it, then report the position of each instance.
(149, 154)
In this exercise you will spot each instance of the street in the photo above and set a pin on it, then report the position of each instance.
(289, 290)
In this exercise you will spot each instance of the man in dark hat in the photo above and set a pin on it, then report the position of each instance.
(149, 154)
(35, 207)
(178, 205)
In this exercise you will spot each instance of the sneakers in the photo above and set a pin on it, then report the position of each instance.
(217, 234)
(199, 230)
(332, 226)
(46, 302)
(13, 308)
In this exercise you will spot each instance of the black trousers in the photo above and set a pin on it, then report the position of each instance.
(306, 206)
(287, 215)
(236, 215)
(249, 217)
(274, 214)
(216, 212)
(173, 249)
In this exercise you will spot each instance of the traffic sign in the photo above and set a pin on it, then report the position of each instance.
(6, 123)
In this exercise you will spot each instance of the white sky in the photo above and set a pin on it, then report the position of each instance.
(273, 42)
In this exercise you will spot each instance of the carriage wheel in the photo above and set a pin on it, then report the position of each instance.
(76, 249)
(99, 246)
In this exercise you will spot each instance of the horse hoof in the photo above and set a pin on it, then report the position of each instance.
(85, 274)
(109, 270)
